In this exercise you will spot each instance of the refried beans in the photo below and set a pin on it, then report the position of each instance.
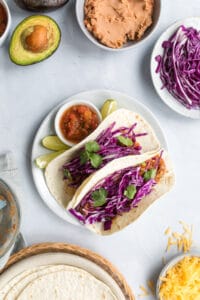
(114, 22)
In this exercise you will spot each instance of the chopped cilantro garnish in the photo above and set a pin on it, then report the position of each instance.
(150, 174)
(99, 197)
(67, 174)
(125, 141)
(130, 191)
(89, 154)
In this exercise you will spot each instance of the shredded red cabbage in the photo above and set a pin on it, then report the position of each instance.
(179, 66)
(116, 201)
(110, 149)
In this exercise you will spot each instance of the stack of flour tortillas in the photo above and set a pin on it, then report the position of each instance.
(58, 282)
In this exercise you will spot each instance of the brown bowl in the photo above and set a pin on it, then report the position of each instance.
(40, 5)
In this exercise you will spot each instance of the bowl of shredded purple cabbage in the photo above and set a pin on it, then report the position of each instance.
(175, 67)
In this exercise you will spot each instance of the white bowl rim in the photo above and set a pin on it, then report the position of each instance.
(5, 5)
(132, 46)
(64, 107)
(177, 107)
(173, 262)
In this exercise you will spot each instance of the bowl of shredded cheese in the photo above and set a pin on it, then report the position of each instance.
(180, 278)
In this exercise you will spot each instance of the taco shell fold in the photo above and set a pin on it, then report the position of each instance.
(164, 185)
(123, 117)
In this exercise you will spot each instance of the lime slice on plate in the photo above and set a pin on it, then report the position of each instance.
(43, 160)
(109, 106)
(52, 142)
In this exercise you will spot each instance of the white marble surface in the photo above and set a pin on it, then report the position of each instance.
(28, 93)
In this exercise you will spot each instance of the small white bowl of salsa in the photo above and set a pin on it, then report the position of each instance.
(5, 21)
(75, 120)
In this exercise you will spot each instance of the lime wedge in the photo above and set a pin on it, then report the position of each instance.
(43, 160)
(109, 106)
(52, 142)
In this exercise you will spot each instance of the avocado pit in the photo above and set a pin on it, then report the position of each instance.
(36, 38)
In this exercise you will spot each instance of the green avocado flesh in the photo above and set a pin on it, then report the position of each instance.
(20, 53)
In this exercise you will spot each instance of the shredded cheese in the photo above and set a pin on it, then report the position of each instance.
(183, 241)
(168, 231)
(182, 281)
(144, 290)
(150, 290)
(151, 286)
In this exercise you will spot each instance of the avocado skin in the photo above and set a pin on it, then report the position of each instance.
(39, 5)
(39, 60)
(33, 63)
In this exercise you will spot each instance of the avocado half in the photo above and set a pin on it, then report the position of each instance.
(34, 39)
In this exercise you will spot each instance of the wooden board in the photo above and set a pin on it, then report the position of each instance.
(75, 250)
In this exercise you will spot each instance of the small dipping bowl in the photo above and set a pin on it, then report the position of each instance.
(9, 223)
(4, 36)
(171, 264)
(64, 108)
(129, 45)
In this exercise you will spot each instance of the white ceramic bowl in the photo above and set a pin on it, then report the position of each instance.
(158, 50)
(6, 32)
(127, 46)
(66, 106)
(172, 263)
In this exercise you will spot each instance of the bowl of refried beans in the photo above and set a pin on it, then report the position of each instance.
(118, 25)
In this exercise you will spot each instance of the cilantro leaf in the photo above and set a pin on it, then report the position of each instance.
(95, 159)
(99, 197)
(67, 174)
(125, 141)
(150, 174)
(90, 154)
(84, 157)
(92, 146)
(130, 191)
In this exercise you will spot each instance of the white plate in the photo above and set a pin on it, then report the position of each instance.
(47, 128)
(62, 259)
(158, 50)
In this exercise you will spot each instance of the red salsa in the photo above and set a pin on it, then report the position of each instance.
(3, 19)
(78, 122)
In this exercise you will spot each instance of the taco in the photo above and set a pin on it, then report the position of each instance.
(121, 134)
(120, 192)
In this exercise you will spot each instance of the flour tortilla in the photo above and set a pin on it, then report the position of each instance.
(162, 187)
(18, 283)
(123, 117)
(17, 279)
(65, 284)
